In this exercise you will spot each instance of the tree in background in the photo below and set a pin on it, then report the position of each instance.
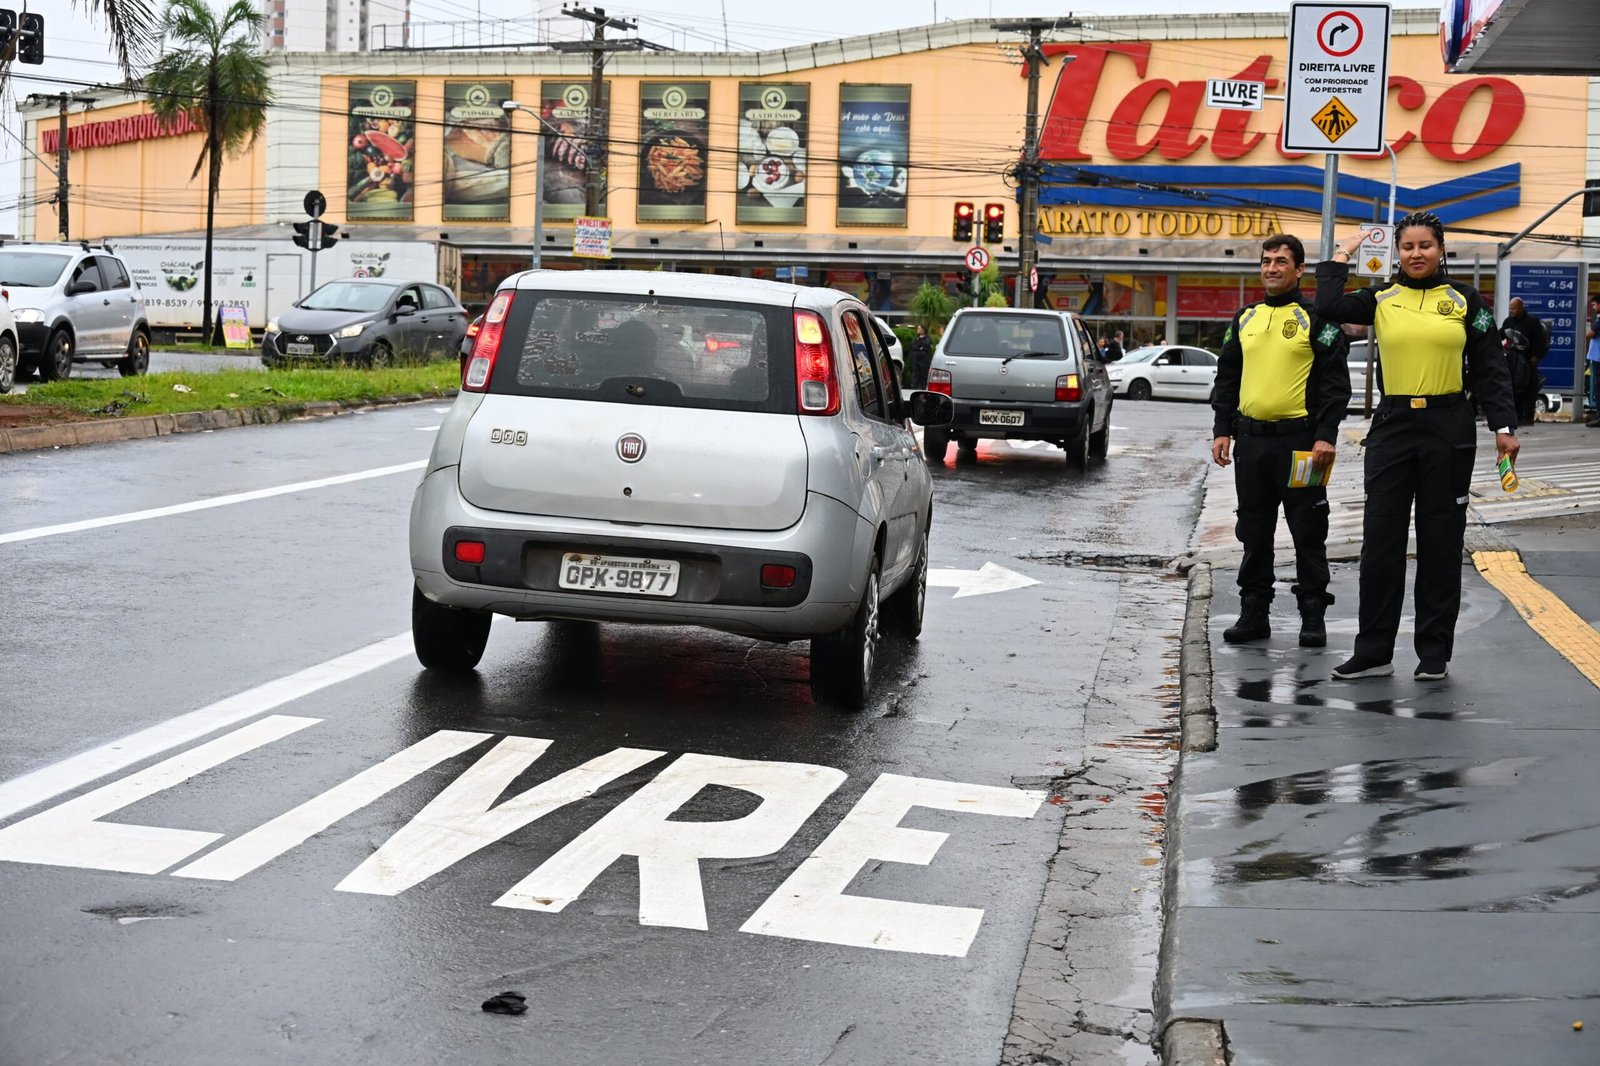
(213, 71)
(932, 307)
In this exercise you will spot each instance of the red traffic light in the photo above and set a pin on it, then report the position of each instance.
(961, 223)
(994, 223)
(963, 210)
(994, 211)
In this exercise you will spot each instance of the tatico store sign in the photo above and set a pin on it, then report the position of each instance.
(117, 131)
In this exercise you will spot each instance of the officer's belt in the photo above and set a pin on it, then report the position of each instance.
(1251, 427)
(1446, 399)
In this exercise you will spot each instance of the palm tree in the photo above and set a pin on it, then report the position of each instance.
(212, 70)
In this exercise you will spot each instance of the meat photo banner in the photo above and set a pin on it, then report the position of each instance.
(672, 150)
(477, 152)
(565, 107)
(774, 136)
(874, 150)
(383, 136)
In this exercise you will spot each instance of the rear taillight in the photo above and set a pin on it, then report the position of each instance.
(777, 576)
(815, 381)
(941, 381)
(480, 368)
(469, 551)
(1067, 388)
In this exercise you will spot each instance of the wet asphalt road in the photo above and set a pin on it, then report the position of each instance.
(119, 630)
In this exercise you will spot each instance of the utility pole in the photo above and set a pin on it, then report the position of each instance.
(61, 172)
(598, 47)
(1028, 169)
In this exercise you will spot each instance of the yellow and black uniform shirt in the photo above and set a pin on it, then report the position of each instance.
(1281, 362)
(1435, 337)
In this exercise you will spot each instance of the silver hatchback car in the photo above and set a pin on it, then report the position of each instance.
(677, 449)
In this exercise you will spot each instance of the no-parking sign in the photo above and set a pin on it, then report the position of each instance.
(1338, 82)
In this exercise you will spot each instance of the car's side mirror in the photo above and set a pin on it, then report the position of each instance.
(932, 409)
(405, 309)
(78, 288)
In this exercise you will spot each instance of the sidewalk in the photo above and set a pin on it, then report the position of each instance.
(1392, 871)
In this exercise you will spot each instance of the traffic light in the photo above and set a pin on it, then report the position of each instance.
(302, 234)
(1591, 199)
(30, 42)
(8, 30)
(330, 234)
(961, 224)
(994, 223)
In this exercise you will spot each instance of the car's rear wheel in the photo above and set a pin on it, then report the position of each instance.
(8, 363)
(1078, 447)
(1100, 443)
(447, 638)
(56, 364)
(138, 359)
(1139, 389)
(935, 442)
(842, 663)
(904, 608)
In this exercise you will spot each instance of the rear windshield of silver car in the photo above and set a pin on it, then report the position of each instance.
(1006, 335)
(651, 350)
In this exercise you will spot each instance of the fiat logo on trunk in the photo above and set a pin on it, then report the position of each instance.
(630, 447)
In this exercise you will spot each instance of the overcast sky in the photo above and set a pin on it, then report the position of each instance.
(77, 47)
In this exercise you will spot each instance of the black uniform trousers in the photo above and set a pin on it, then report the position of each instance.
(1423, 456)
(1261, 475)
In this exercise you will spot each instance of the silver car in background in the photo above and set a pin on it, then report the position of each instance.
(678, 449)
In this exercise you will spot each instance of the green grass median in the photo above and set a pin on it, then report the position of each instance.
(176, 392)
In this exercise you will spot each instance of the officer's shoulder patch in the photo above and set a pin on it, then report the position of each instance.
(1329, 334)
(1228, 336)
(1483, 320)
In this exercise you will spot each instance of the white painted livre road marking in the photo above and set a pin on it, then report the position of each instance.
(34, 788)
(207, 504)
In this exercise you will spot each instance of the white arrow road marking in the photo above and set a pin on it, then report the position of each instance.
(34, 788)
(986, 579)
(207, 504)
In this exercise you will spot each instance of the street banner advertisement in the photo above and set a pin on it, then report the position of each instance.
(672, 151)
(774, 133)
(591, 238)
(874, 146)
(477, 152)
(564, 106)
(382, 142)
(235, 325)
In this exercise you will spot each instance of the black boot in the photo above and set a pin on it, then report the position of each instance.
(1313, 628)
(1253, 623)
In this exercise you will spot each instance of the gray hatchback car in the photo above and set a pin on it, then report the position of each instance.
(1021, 375)
(367, 321)
(677, 449)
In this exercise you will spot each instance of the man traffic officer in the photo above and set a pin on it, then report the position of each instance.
(1283, 386)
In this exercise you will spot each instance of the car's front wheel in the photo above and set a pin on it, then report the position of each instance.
(904, 609)
(381, 355)
(8, 363)
(1139, 389)
(842, 663)
(448, 639)
(57, 362)
(138, 359)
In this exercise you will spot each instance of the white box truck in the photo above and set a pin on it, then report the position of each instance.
(267, 276)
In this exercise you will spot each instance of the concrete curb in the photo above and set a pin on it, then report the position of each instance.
(1194, 1042)
(1199, 714)
(101, 431)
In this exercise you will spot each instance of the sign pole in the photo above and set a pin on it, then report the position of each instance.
(1330, 202)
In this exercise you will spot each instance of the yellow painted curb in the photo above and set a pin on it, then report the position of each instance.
(1543, 610)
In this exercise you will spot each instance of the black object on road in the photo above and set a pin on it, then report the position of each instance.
(507, 1003)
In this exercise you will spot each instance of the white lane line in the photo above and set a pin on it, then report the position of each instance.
(32, 789)
(427, 429)
(207, 504)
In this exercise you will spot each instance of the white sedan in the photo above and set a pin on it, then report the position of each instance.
(1164, 372)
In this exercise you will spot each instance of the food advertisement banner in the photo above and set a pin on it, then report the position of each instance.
(565, 107)
(672, 151)
(774, 133)
(874, 145)
(382, 136)
(477, 152)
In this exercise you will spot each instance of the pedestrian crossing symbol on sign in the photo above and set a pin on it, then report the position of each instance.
(1374, 265)
(1334, 120)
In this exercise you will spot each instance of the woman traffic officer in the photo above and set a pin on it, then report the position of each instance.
(1436, 341)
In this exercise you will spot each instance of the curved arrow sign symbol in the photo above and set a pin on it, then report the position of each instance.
(980, 582)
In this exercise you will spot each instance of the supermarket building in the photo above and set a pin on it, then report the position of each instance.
(842, 162)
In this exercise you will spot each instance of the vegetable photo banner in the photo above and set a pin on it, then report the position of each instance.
(381, 149)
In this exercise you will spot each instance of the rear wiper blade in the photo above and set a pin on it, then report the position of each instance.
(1031, 355)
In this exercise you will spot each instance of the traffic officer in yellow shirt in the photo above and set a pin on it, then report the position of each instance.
(1282, 387)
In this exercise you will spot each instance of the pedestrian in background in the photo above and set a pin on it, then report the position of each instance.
(921, 357)
(1114, 347)
(1422, 443)
(1526, 343)
(1282, 386)
(1593, 337)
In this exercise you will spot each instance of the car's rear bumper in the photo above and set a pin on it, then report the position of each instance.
(719, 584)
(1040, 421)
